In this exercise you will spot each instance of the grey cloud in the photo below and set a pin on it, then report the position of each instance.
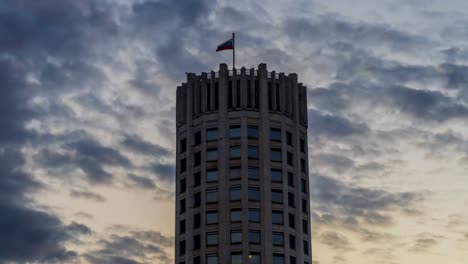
(87, 195)
(333, 126)
(78, 229)
(336, 163)
(335, 241)
(136, 143)
(142, 182)
(164, 172)
(423, 244)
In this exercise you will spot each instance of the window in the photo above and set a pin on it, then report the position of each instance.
(292, 260)
(253, 173)
(254, 215)
(235, 193)
(303, 166)
(212, 196)
(197, 178)
(305, 226)
(182, 185)
(306, 247)
(277, 217)
(236, 215)
(276, 175)
(182, 248)
(278, 239)
(197, 138)
(292, 242)
(234, 132)
(182, 226)
(303, 185)
(289, 139)
(197, 158)
(212, 238)
(290, 158)
(254, 236)
(278, 259)
(212, 154)
(254, 258)
(252, 132)
(196, 242)
(252, 152)
(196, 199)
(211, 217)
(275, 134)
(302, 145)
(277, 196)
(292, 220)
(183, 165)
(236, 236)
(183, 145)
(275, 154)
(236, 258)
(197, 260)
(212, 175)
(304, 206)
(235, 172)
(196, 220)
(254, 194)
(290, 179)
(212, 259)
(182, 206)
(291, 200)
(234, 152)
(211, 134)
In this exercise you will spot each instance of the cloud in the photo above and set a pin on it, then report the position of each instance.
(135, 143)
(335, 241)
(78, 229)
(142, 182)
(87, 195)
(333, 126)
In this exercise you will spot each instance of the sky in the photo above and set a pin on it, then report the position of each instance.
(87, 99)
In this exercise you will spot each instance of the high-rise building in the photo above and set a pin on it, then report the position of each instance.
(242, 169)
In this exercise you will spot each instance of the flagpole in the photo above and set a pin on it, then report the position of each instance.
(233, 51)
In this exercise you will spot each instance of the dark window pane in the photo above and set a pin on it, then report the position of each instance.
(235, 193)
(305, 226)
(183, 145)
(290, 179)
(275, 154)
(302, 142)
(253, 173)
(290, 158)
(182, 248)
(289, 140)
(235, 172)
(254, 215)
(196, 220)
(252, 132)
(182, 206)
(235, 132)
(252, 152)
(254, 194)
(212, 175)
(212, 134)
(197, 260)
(278, 259)
(211, 217)
(254, 258)
(197, 158)
(212, 238)
(183, 165)
(182, 185)
(275, 134)
(212, 259)
(304, 206)
(212, 154)
(197, 178)
(212, 196)
(291, 200)
(292, 220)
(234, 152)
(197, 138)
(254, 236)
(278, 239)
(303, 185)
(306, 247)
(196, 242)
(182, 226)
(196, 199)
(277, 196)
(292, 260)
(292, 242)
(303, 166)
(236, 258)
(276, 175)
(236, 236)
(277, 217)
(236, 215)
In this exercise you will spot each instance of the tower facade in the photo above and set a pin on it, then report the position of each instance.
(242, 169)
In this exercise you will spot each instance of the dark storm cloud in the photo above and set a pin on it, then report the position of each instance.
(87, 195)
(136, 143)
(373, 206)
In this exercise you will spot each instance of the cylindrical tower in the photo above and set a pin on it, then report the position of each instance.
(242, 169)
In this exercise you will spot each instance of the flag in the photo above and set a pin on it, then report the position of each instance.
(227, 45)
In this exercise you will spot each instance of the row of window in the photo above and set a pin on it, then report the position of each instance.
(254, 258)
(276, 175)
(235, 132)
(277, 218)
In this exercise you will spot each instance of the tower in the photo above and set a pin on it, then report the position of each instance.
(242, 168)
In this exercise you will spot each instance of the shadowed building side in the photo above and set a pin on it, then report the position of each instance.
(242, 168)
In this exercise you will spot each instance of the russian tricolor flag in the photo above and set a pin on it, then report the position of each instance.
(227, 45)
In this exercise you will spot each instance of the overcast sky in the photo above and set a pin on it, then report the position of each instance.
(87, 97)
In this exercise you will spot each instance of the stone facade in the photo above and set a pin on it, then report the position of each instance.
(242, 166)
